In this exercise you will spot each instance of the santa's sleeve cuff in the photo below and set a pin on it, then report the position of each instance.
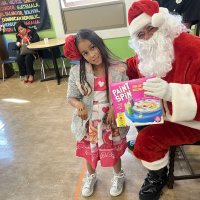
(184, 105)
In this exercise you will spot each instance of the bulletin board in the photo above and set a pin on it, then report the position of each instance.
(33, 13)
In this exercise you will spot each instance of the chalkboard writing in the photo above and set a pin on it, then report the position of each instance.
(33, 13)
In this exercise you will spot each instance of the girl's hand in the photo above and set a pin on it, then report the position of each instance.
(111, 116)
(18, 44)
(82, 111)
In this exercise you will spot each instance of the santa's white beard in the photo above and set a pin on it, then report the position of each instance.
(155, 54)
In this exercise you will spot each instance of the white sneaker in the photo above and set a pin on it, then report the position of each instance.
(88, 186)
(117, 184)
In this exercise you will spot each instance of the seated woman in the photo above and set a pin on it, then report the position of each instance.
(25, 62)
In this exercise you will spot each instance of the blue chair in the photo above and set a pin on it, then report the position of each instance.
(12, 52)
(74, 62)
(46, 54)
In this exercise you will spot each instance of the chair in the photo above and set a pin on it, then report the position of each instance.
(12, 52)
(197, 29)
(171, 176)
(74, 62)
(64, 67)
(46, 54)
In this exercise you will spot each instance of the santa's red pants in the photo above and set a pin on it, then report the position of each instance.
(154, 141)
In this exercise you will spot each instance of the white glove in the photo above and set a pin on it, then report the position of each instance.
(158, 88)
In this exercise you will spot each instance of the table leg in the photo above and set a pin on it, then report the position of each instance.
(55, 65)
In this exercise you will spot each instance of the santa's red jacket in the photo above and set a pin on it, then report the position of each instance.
(184, 79)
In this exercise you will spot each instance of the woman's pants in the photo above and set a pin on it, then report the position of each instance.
(25, 64)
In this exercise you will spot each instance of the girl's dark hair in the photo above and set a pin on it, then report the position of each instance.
(90, 35)
(20, 23)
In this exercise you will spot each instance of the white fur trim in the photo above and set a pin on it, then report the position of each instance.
(158, 164)
(163, 10)
(158, 19)
(184, 105)
(142, 20)
(138, 23)
(191, 124)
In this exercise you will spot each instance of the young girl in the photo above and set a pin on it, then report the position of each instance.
(93, 121)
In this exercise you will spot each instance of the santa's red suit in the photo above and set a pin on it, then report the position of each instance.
(182, 115)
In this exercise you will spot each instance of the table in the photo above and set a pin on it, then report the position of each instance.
(51, 45)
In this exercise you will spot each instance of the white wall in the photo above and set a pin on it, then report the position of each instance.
(55, 12)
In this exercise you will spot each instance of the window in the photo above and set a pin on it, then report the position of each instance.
(93, 14)
(77, 3)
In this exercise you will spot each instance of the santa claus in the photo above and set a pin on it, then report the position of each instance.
(164, 49)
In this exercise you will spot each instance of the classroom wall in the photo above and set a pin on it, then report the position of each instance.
(115, 39)
(119, 46)
(57, 29)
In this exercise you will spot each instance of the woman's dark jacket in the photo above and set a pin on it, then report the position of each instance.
(34, 37)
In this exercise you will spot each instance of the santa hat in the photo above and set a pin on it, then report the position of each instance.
(143, 12)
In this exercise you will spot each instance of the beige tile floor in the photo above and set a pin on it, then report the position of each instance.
(37, 151)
